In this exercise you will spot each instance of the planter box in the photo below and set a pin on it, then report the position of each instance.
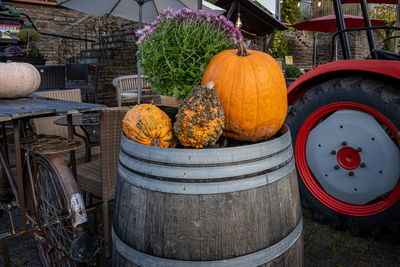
(32, 60)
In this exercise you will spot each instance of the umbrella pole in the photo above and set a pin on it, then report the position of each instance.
(315, 43)
(336, 50)
(139, 93)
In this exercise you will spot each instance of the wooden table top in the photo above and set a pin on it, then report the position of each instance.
(37, 106)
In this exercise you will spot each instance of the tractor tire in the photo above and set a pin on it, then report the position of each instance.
(346, 147)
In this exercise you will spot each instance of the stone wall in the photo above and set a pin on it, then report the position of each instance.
(50, 18)
(302, 52)
(300, 47)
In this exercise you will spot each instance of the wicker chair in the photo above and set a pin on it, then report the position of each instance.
(51, 76)
(77, 76)
(98, 177)
(47, 126)
(127, 88)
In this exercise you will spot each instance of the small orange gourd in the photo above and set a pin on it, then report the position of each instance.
(148, 125)
(252, 90)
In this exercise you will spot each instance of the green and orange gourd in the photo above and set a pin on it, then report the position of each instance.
(200, 118)
(148, 125)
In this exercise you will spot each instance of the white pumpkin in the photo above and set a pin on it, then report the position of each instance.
(18, 79)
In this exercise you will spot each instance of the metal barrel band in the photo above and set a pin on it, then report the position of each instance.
(219, 173)
(126, 153)
(253, 259)
(206, 178)
(207, 156)
(204, 188)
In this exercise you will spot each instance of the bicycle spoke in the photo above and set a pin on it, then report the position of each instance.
(54, 217)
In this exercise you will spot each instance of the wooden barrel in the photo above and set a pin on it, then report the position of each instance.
(235, 206)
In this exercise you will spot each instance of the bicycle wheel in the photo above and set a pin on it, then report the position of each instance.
(55, 238)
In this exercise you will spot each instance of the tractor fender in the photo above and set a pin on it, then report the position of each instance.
(382, 69)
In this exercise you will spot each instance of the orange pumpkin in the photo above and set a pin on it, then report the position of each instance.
(149, 125)
(252, 90)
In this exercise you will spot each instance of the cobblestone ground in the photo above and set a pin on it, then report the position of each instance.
(324, 247)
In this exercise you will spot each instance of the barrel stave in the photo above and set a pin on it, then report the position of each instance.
(207, 227)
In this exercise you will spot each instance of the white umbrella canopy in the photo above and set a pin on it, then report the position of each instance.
(129, 9)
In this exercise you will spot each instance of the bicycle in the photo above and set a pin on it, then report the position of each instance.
(51, 201)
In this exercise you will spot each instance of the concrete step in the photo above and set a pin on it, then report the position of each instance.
(95, 53)
(109, 45)
(124, 35)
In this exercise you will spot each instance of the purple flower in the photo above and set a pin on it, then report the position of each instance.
(186, 15)
(139, 32)
(14, 50)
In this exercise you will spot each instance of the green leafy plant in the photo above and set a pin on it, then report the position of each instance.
(387, 13)
(290, 12)
(279, 46)
(292, 72)
(30, 37)
(177, 47)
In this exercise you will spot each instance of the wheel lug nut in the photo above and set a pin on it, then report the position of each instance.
(351, 173)
(362, 165)
(337, 167)
(333, 152)
(344, 143)
(359, 149)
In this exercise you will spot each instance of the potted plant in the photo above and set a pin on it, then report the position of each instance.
(279, 48)
(26, 50)
(177, 47)
(291, 74)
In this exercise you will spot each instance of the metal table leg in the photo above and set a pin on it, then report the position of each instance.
(72, 152)
(18, 157)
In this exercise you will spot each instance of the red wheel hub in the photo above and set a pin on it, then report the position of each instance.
(348, 158)
(311, 182)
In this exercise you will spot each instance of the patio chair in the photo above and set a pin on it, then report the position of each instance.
(47, 126)
(98, 177)
(51, 76)
(127, 88)
(77, 76)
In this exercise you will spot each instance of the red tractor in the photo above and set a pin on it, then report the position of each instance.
(344, 118)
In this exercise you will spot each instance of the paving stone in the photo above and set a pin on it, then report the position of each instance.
(318, 252)
(356, 243)
(381, 254)
(345, 257)
(308, 262)
(366, 264)
(325, 236)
